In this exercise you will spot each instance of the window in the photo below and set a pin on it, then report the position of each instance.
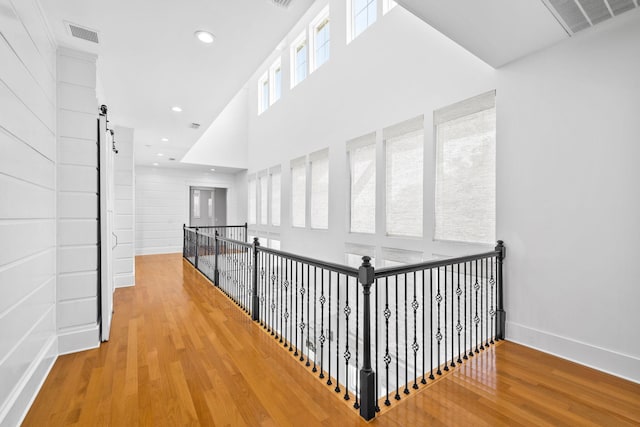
(196, 203)
(320, 189)
(263, 93)
(210, 205)
(275, 197)
(362, 177)
(465, 207)
(320, 31)
(275, 78)
(298, 192)
(251, 202)
(363, 14)
(264, 200)
(387, 5)
(299, 64)
(404, 147)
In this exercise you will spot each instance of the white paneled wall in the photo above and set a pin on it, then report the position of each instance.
(123, 263)
(162, 206)
(28, 344)
(77, 296)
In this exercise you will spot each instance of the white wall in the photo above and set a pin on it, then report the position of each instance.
(569, 196)
(162, 205)
(397, 69)
(77, 295)
(568, 199)
(123, 260)
(28, 343)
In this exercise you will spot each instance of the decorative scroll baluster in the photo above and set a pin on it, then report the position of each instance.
(438, 334)
(315, 317)
(481, 306)
(459, 324)
(453, 363)
(322, 335)
(286, 305)
(446, 335)
(308, 316)
(466, 326)
(387, 356)
(476, 318)
(295, 353)
(414, 346)
(302, 325)
(347, 353)
(492, 312)
(424, 311)
(406, 340)
(431, 376)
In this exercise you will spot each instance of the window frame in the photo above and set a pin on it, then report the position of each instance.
(301, 40)
(368, 140)
(351, 18)
(263, 103)
(322, 18)
(275, 73)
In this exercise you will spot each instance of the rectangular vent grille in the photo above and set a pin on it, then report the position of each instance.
(83, 33)
(577, 15)
(281, 3)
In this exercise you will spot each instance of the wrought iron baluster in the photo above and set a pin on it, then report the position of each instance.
(295, 353)
(453, 363)
(397, 395)
(337, 389)
(286, 304)
(406, 340)
(347, 353)
(459, 324)
(431, 376)
(438, 334)
(492, 312)
(322, 335)
(315, 318)
(446, 366)
(424, 325)
(330, 332)
(415, 347)
(387, 356)
(376, 349)
(482, 271)
(356, 404)
(308, 317)
(476, 318)
(281, 305)
(302, 325)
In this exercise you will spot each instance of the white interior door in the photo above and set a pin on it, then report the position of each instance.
(108, 239)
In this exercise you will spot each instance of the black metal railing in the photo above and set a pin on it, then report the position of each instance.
(404, 327)
(198, 242)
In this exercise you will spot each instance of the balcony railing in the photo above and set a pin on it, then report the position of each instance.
(372, 335)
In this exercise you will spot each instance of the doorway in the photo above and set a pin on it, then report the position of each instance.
(207, 206)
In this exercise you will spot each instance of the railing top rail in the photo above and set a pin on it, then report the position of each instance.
(338, 268)
(235, 242)
(410, 268)
(213, 226)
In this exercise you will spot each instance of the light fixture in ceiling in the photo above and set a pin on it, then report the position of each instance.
(213, 170)
(156, 164)
(160, 154)
(176, 109)
(164, 139)
(204, 36)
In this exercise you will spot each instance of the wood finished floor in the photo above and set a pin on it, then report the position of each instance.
(182, 354)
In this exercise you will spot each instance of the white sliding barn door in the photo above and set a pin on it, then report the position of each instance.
(108, 239)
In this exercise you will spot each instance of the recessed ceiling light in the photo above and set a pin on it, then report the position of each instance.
(147, 145)
(213, 170)
(155, 164)
(204, 36)
(164, 139)
(176, 109)
(160, 154)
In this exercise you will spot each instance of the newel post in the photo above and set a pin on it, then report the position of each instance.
(216, 272)
(501, 315)
(255, 312)
(367, 375)
(197, 244)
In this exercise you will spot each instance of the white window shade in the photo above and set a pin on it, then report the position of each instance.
(264, 200)
(251, 202)
(320, 190)
(275, 197)
(465, 208)
(362, 174)
(404, 148)
(298, 192)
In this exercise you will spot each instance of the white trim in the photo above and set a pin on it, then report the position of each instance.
(275, 67)
(79, 339)
(261, 81)
(325, 14)
(615, 363)
(301, 40)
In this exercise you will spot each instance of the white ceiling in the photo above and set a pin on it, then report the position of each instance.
(149, 60)
(496, 31)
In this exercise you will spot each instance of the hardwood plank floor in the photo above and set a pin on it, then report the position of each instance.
(181, 353)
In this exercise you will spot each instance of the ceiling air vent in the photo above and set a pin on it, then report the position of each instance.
(194, 125)
(577, 15)
(281, 3)
(83, 33)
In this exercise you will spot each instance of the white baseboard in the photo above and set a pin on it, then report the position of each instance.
(78, 339)
(609, 361)
(159, 251)
(19, 402)
(124, 280)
